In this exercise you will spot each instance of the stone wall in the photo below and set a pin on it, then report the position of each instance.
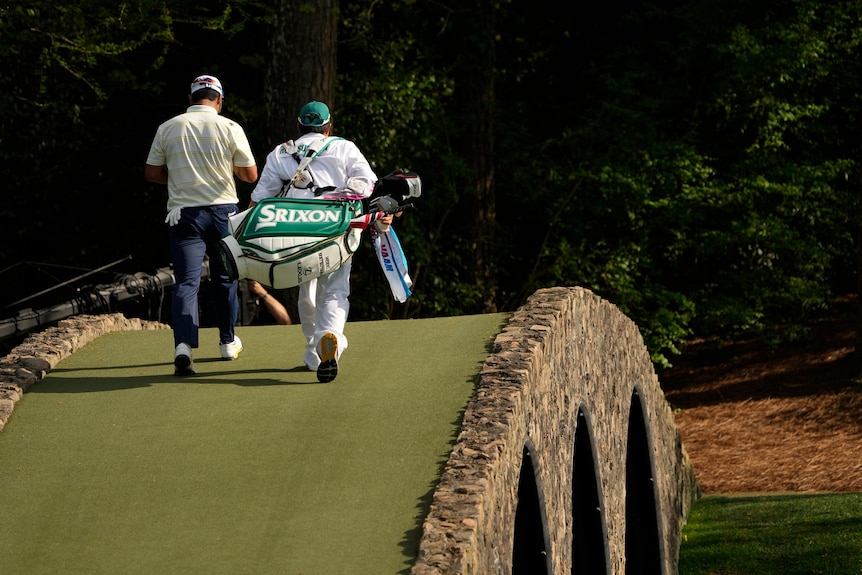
(567, 358)
(37, 355)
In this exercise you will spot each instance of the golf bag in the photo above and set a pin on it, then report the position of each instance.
(285, 242)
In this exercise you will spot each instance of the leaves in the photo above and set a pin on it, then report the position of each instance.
(694, 162)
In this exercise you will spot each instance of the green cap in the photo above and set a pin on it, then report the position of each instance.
(314, 114)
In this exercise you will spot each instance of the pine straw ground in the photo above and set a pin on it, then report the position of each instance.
(756, 421)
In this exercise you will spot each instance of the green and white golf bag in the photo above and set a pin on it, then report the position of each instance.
(283, 242)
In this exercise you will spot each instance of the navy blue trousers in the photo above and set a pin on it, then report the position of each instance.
(194, 237)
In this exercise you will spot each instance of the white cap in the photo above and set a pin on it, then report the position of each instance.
(206, 81)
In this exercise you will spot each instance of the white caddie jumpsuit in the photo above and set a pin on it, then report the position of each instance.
(323, 302)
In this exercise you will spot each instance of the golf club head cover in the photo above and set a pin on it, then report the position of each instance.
(400, 185)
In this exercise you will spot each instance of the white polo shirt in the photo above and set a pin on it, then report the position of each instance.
(200, 149)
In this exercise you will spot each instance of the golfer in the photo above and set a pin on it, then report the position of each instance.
(197, 154)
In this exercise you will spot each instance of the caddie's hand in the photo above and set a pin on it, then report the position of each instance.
(174, 216)
(383, 224)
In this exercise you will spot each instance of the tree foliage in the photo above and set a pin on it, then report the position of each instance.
(694, 162)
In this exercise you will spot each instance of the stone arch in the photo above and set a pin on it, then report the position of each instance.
(643, 547)
(589, 528)
(530, 547)
(566, 359)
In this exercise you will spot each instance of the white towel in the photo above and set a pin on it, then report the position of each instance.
(394, 263)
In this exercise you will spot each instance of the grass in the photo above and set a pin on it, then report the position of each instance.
(786, 534)
(113, 466)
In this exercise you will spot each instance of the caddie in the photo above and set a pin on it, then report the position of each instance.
(314, 165)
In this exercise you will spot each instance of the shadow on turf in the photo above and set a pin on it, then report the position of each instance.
(91, 384)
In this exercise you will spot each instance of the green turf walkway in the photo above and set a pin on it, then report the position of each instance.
(112, 465)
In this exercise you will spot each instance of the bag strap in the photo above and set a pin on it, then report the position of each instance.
(315, 149)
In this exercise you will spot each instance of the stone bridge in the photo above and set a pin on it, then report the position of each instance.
(568, 459)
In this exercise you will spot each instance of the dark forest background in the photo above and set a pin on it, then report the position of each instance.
(695, 162)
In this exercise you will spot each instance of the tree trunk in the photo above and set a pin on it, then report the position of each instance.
(302, 53)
